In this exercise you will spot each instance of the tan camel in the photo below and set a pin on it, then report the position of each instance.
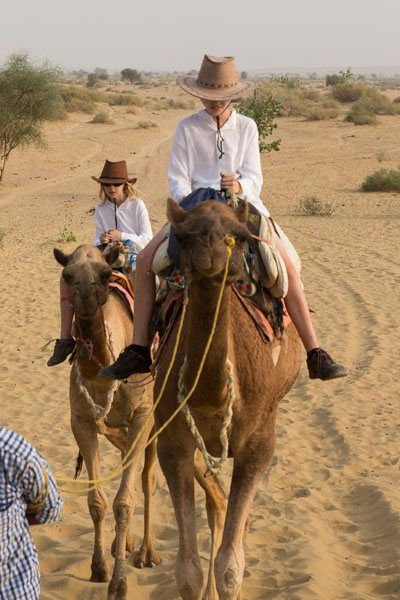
(103, 327)
(261, 380)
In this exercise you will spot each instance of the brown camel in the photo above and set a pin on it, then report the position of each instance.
(121, 412)
(263, 374)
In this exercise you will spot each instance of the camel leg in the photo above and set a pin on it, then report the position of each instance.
(123, 507)
(86, 438)
(216, 509)
(249, 466)
(147, 556)
(177, 465)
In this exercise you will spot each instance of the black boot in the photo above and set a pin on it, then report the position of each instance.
(322, 366)
(134, 359)
(62, 349)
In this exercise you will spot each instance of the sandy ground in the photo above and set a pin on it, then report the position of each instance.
(326, 524)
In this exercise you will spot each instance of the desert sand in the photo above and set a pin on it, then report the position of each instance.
(326, 522)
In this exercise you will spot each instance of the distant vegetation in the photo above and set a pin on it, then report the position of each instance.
(131, 75)
(28, 98)
(262, 108)
(384, 180)
(146, 124)
(102, 117)
(315, 207)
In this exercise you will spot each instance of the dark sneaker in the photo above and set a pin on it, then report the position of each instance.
(322, 366)
(62, 349)
(134, 359)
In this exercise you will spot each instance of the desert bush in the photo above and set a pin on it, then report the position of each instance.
(384, 180)
(102, 117)
(321, 114)
(380, 156)
(315, 207)
(359, 115)
(131, 75)
(377, 103)
(131, 111)
(146, 124)
(338, 78)
(79, 99)
(312, 94)
(285, 80)
(262, 108)
(65, 236)
(348, 91)
(397, 100)
(124, 99)
(28, 98)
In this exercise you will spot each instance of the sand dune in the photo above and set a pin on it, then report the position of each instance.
(326, 522)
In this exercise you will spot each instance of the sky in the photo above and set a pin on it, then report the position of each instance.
(170, 35)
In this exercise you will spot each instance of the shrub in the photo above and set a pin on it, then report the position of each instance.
(377, 103)
(79, 99)
(123, 99)
(384, 180)
(380, 156)
(146, 124)
(65, 236)
(359, 115)
(321, 114)
(131, 75)
(312, 94)
(397, 99)
(336, 79)
(131, 111)
(28, 98)
(263, 110)
(102, 117)
(315, 207)
(348, 91)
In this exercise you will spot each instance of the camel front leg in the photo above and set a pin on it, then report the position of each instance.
(123, 505)
(249, 466)
(147, 556)
(86, 438)
(176, 460)
(216, 509)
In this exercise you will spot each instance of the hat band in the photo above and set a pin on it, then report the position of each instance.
(109, 177)
(207, 84)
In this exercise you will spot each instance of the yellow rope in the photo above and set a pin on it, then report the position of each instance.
(125, 463)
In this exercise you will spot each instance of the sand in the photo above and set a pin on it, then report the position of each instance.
(326, 523)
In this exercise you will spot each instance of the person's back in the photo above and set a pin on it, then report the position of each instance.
(28, 495)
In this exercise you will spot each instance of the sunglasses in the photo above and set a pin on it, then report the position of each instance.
(112, 184)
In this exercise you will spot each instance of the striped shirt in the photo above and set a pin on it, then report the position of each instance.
(24, 477)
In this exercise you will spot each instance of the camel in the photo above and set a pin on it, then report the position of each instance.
(261, 380)
(122, 412)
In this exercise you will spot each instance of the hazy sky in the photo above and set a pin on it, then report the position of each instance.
(174, 34)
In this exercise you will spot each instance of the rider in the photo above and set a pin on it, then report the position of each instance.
(218, 148)
(121, 215)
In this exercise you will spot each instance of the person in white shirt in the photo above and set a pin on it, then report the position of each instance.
(218, 148)
(120, 216)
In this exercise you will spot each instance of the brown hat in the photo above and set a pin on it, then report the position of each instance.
(217, 80)
(114, 172)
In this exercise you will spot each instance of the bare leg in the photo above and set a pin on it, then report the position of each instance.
(145, 291)
(297, 305)
(216, 509)
(147, 556)
(86, 438)
(66, 310)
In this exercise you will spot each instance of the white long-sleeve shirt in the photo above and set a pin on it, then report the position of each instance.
(194, 161)
(132, 221)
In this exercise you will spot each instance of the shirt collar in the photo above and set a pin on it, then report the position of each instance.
(230, 124)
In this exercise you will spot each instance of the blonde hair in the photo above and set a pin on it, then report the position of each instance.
(129, 192)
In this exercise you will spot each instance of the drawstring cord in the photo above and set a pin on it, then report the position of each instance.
(220, 139)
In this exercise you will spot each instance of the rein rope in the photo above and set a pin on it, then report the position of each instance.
(130, 456)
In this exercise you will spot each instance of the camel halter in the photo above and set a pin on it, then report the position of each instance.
(130, 456)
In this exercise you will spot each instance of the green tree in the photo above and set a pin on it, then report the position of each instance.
(243, 75)
(341, 77)
(131, 75)
(91, 80)
(28, 98)
(262, 108)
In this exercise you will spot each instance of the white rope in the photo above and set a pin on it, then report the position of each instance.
(213, 463)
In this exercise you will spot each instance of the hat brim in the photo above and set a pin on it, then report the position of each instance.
(114, 180)
(190, 85)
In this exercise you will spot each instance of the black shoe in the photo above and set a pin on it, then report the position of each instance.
(322, 366)
(134, 359)
(62, 349)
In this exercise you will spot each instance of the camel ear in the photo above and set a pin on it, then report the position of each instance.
(242, 211)
(112, 255)
(61, 258)
(175, 213)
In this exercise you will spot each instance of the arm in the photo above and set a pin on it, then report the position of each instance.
(99, 228)
(144, 232)
(251, 177)
(44, 504)
(178, 171)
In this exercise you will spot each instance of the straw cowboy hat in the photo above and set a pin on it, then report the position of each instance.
(114, 172)
(217, 80)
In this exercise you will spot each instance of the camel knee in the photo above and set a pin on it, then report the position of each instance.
(97, 503)
(229, 574)
(122, 513)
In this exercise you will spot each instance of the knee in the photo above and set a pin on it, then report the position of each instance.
(122, 512)
(97, 502)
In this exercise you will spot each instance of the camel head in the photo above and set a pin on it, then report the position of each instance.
(87, 273)
(201, 233)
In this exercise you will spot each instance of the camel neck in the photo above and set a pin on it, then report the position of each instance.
(201, 311)
(92, 331)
